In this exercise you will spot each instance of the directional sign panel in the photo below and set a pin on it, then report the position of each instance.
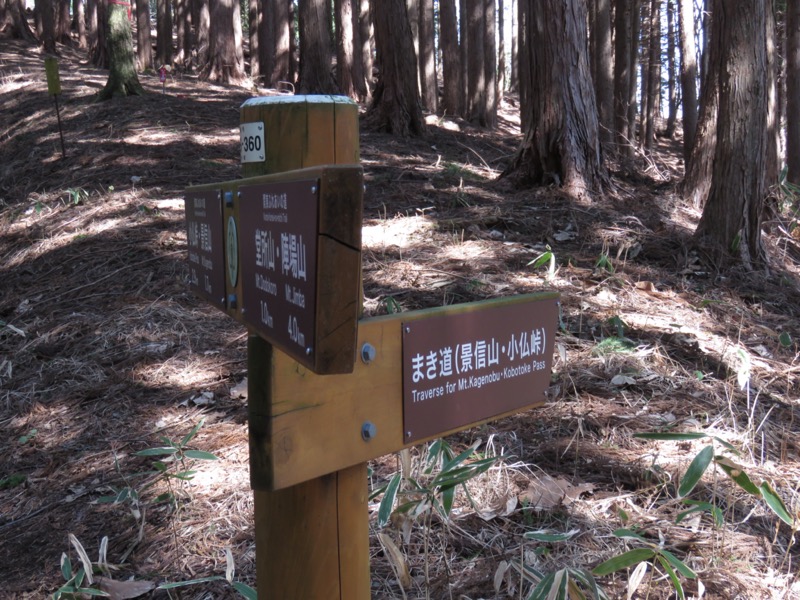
(468, 367)
(278, 241)
(206, 245)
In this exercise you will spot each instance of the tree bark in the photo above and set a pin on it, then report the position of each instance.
(793, 91)
(122, 78)
(501, 51)
(315, 48)
(225, 57)
(144, 42)
(182, 24)
(80, 24)
(604, 66)
(524, 66)
(636, 20)
(203, 32)
(476, 76)
(48, 35)
(464, 48)
(672, 116)
(688, 77)
(489, 118)
(732, 217)
(367, 44)
(513, 84)
(427, 56)
(254, 18)
(395, 104)
(622, 72)
(561, 144)
(14, 23)
(64, 27)
(344, 48)
(653, 74)
(359, 77)
(164, 32)
(451, 66)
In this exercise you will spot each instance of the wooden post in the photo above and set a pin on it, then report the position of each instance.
(312, 539)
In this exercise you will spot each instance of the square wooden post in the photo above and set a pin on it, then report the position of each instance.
(312, 539)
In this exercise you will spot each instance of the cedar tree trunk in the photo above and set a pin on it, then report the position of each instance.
(122, 78)
(225, 58)
(395, 104)
(315, 48)
(732, 216)
(561, 143)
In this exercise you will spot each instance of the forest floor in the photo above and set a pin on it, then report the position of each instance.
(103, 349)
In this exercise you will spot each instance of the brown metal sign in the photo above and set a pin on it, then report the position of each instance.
(278, 241)
(206, 252)
(468, 367)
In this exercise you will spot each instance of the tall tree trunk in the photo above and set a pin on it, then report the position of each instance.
(653, 74)
(144, 42)
(315, 48)
(513, 84)
(164, 32)
(64, 27)
(225, 57)
(672, 88)
(294, 68)
(359, 78)
(623, 39)
(254, 17)
(490, 64)
(15, 22)
(80, 24)
(451, 67)
(688, 77)
(122, 78)
(732, 216)
(644, 71)
(427, 57)
(464, 47)
(561, 143)
(48, 35)
(636, 19)
(697, 180)
(604, 67)
(92, 28)
(476, 77)
(525, 68)
(772, 168)
(793, 91)
(281, 70)
(344, 48)
(181, 11)
(395, 104)
(203, 41)
(367, 43)
(501, 51)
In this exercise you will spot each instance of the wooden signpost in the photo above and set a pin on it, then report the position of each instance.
(280, 251)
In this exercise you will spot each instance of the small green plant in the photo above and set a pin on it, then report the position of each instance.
(648, 552)
(437, 490)
(230, 568)
(618, 324)
(706, 457)
(569, 583)
(12, 481)
(24, 439)
(77, 581)
(613, 345)
(545, 258)
(604, 263)
(77, 196)
(176, 465)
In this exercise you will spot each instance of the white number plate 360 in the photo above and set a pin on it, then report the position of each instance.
(252, 138)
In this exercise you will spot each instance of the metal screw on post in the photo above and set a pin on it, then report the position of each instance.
(368, 431)
(368, 353)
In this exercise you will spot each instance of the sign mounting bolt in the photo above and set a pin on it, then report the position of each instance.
(368, 431)
(407, 329)
(309, 350)
(368, 353)
(313, 189)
